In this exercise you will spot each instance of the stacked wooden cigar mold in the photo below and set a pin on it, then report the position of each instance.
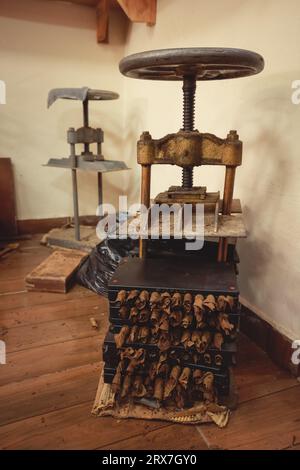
(171, 345)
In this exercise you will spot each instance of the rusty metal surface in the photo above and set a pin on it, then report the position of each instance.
(188, 149)
(194, 195)
(81, 94)
(84, 135)
(103, 166)
(204, 63)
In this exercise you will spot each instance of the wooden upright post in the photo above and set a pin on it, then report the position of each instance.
(226, 209)
(145, 200)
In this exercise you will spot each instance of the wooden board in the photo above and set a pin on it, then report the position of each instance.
(65, 237)
(267, 423)
(23, 365)
(48, 392)
(33, 315)
(229, 226)
(8, 218)
(19, 299)
(57, 331)
(164, 439)
(71, 428)
(256, 375)
(56, 273)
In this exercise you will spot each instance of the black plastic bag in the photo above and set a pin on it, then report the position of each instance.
(97, 270)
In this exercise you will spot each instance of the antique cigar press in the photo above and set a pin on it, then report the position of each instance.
(174, 319)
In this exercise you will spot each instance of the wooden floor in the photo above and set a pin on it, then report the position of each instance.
(53, 365)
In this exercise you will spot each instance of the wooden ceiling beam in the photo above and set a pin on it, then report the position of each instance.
(140, 11)
(102, 15)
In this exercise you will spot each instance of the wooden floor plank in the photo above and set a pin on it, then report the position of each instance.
(49, 383)
(52, 358)
(27, 299)
(271, 422)
(16, 265)
(294, 447)
(12, 285)
(170, 437)
(49, 392)
(94, 305)
(46, 333)
(256, 375)
(71, 428)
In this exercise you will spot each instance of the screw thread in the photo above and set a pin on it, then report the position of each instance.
(189, 90)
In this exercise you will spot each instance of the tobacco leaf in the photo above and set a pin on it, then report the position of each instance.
(175, 318)
(144, 315)
(197, 376)
(224, 323)
(132, 296)
(158, 388)
(124, 312)
(184, 377)
(133, 315)
(155, 300)
(138, 388)
(187, 320)
(176, 300)
(172, 381)
(225, 303)
(155, 316)
(218, 340)
(163, 324)
(133, 336)
(136, 360)
(142, 300)
(209, 303)
(165, 302)
(164, 342)
(120, 338)
(143, 334)
(180, 396)
(121, 298)
(198, 301)
(117, 380)
(176, 334)
(186, 338)
(127, 353)
(126, 386)
(199, 316)
(187, 302)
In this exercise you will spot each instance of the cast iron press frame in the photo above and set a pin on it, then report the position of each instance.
(188, 147)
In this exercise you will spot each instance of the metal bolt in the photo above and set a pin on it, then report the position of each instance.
(233, 135)
(146, 136)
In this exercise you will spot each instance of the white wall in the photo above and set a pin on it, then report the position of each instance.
(260, 109)
(44, 45)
